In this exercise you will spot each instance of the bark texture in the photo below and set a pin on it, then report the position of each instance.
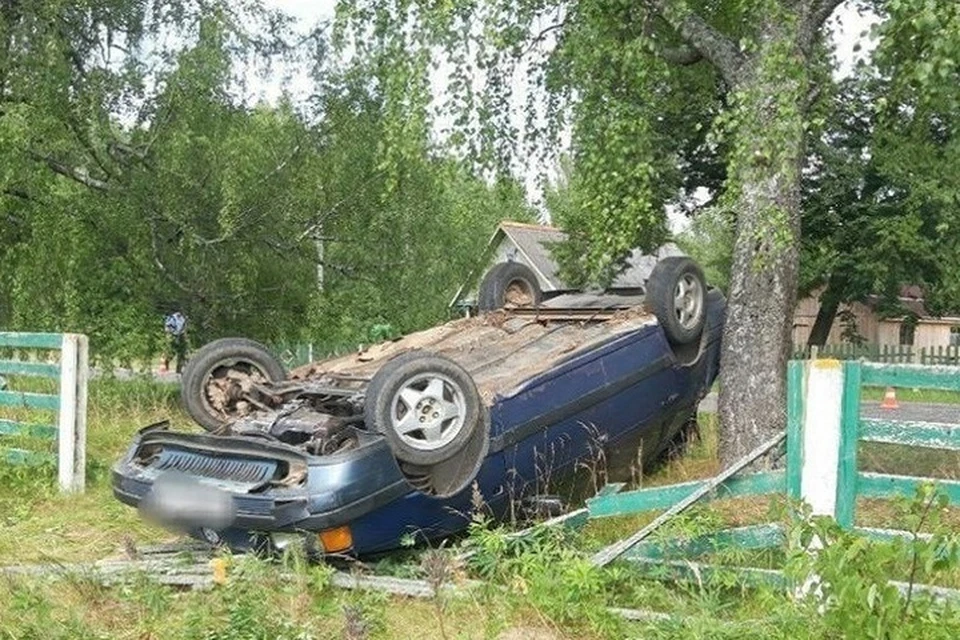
(769, 85)
(769, 143)
(829, 305)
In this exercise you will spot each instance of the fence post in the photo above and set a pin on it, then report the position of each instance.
(847, 463)
(71, 436)
(821, 436)
(80, 454)
(795, 395)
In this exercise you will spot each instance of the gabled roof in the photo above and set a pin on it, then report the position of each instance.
(533, 241)
(911, 299)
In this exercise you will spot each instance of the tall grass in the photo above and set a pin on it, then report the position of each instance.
(537, 588)
(41, 524)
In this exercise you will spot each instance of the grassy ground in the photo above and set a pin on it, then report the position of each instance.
(539, 589)
(40, 523)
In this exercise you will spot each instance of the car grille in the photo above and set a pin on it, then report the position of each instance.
(236, 472)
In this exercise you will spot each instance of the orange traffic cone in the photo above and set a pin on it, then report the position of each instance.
(890, 399)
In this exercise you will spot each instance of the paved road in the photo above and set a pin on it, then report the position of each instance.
(921, 412)
(909, 411)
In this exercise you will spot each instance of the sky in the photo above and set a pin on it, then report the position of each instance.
(848, 28)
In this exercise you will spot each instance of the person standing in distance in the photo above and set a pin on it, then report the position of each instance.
(175, 326)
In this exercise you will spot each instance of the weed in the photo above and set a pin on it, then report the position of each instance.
(440, 568)
(851, 587)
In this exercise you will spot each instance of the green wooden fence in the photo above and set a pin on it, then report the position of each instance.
(296, 354)
(824, 428)
(891, 354)
(29, 417)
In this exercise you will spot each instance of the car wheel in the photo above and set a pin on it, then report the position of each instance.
(218, 376)
(425, 405)
(509, 284)
(676, 293)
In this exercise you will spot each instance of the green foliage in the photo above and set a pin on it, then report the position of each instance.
(547, 572)
(852, 589)
(869, 226)
(636, 122)
(136, 180)
(709, 241)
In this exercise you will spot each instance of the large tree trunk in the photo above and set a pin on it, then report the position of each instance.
(829, 305)
(769, 145)
(824, 322)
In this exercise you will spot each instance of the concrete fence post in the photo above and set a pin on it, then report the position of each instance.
(820, 441)
(814, 428)
(72, 428)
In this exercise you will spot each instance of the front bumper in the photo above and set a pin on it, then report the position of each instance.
(329, 491)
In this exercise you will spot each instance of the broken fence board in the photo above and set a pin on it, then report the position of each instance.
(27, 458)
(200, 576)
(912, 376)
(39, 369)
(915, 434)
(13, 428)
(686, 571)
(410, 587)
(881, 485)
(572, 520)
(27, 400)
(609, 554)
(652, 498)
(20, 340)
(762, 536)
(681, 570)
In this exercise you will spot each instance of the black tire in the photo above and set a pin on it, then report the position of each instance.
(509, 283)
(418, 375)
(677, 294)
(211, 364)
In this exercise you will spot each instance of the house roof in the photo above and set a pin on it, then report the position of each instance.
(911, 299)
(534, 241)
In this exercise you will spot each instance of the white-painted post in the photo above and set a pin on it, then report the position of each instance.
(71, 431)
(80, 449)
(819, 471)
(821, 436)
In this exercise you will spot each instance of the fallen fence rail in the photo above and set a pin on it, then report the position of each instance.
(823, 429)
(195, 566)
(617, 549)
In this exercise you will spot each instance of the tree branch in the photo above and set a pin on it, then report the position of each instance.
(78, 174)
(817, 14)
(820, 10)
(715, 47)
(540, 37)
(683, 56)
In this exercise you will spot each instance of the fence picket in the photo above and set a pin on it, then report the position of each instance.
(887, 354)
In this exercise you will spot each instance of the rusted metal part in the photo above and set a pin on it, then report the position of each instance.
(587, 315)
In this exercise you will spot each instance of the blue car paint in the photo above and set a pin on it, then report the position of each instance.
(613, 396)
(518, 469)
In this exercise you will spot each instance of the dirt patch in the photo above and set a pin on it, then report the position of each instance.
(500, 350)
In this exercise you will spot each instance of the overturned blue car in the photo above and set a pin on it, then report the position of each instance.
(405, 440)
